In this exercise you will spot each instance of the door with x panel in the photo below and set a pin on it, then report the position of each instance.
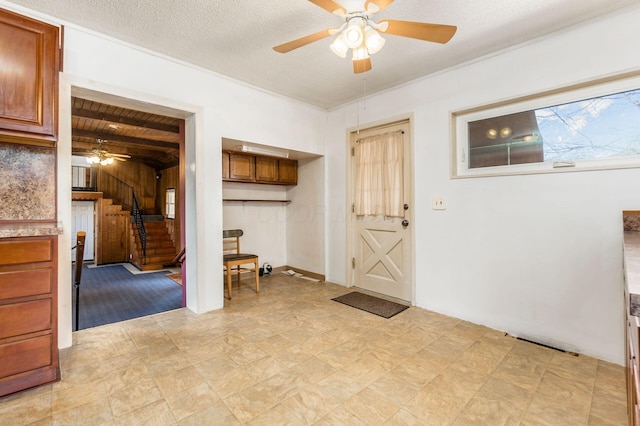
(381, 193)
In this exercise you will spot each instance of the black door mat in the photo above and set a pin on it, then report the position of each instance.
(371, 304)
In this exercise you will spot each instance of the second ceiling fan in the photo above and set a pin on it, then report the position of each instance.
(362, 35)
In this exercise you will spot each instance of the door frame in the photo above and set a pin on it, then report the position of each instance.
(350, 200)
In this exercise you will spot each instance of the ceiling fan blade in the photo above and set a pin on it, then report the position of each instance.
(118, 155)
(375, 6)
(303, 41)
(330, 6)
(120, 159)
(361, 65)
(420, 30)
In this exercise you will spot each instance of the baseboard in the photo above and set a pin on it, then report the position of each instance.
(279, 269)
(305, 273)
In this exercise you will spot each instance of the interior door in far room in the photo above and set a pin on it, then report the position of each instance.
(82, 220)
(381, 194)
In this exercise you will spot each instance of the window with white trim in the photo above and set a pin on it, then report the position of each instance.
(595, 126)
(170, 203)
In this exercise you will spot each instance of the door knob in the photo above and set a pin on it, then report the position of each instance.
(405, 223)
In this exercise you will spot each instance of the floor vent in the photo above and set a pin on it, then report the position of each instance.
(547, 346)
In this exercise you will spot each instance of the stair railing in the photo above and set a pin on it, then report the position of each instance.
(123, 194)
(142, 233)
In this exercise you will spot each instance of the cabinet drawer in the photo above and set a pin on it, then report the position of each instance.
(27, 317)
(25, 283)
(25, 355)
(14, 252)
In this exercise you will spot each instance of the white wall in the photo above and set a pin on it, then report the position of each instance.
(264, 224)
(305, 218)
(538, 256)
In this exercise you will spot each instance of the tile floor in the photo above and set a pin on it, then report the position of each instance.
(293, 356)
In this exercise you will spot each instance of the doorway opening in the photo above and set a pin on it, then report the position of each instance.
(124, 162)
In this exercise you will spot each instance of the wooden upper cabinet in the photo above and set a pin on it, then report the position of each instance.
(29, 58)
(267, 169)
(225, 165)
(242, 167)
(288, 172)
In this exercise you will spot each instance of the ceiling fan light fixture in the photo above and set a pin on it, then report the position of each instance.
(373, 40)
(354, 34)
(339, 47)
(106, 161)
(94, 159)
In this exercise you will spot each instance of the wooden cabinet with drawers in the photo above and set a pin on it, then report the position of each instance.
(28, 313)
(240, 167)
(28, 111)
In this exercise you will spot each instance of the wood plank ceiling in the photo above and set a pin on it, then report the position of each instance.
(148, 138)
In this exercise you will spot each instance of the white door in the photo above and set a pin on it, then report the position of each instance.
(82, 220)
(381, 245)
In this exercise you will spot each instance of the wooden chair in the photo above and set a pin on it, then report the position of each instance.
(235, 260)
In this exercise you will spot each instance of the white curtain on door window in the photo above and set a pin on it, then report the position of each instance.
(379, 175)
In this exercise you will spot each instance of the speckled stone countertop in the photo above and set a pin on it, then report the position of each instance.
(631, 221)
(29, 229)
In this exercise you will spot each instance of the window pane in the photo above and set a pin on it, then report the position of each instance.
(601, 127)
(170, 200)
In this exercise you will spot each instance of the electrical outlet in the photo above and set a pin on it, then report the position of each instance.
(438, 203)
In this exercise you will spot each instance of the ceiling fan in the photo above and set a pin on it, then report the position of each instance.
(362, 35)
(104, 157)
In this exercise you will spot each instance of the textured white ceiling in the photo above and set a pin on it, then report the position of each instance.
(235, 37)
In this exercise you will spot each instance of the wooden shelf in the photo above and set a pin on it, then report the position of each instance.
(255, 201)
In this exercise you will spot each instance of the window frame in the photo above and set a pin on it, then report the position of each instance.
(166, 203)
(574, 93)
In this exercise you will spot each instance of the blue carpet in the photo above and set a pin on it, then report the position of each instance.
(111, 294)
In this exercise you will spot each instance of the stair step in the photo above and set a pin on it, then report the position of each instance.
(155, 243)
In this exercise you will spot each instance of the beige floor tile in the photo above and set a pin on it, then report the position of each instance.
(609, 409)
(178, 381)
(371, 407)
(501, 391)
(74, 396)
(395, 388)
(191, 401)
(414, 373)
(339, 386)
(314, 370)
(129, 376)
(565, 392)
(546, 410)
(25, 407)
(521, 369)
(131, 398)
(155, 414)
(481, 412)
(435, 407)
(97, 411)
(218, 413)
(403, 418)
(340, 417)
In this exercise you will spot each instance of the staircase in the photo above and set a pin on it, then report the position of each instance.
(160, 248)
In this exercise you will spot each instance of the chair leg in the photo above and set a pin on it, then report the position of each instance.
(257, 276)
(229, 282)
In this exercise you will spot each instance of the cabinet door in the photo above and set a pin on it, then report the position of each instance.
(288, 172)
(242, 167)
(28, 78)
(225, 165)
(266, 169)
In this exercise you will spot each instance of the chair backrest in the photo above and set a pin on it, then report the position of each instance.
(231, 241)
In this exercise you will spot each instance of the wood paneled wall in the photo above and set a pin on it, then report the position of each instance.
(143, 180)
(169, 178)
